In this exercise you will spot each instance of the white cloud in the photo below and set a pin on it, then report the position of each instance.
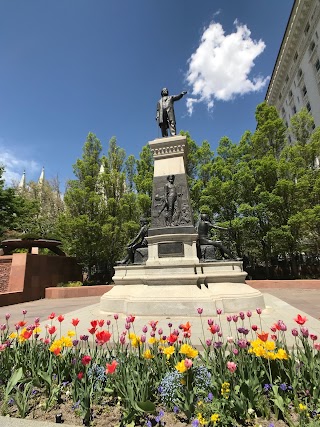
(219, 69)
(14, 166)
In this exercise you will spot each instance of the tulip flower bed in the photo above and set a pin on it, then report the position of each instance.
(240, 376)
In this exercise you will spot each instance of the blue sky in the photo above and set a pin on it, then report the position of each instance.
(70, 67)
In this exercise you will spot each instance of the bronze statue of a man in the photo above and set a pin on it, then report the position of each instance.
(165, 112)
(171, 195)
(139, 241)
(204, 227)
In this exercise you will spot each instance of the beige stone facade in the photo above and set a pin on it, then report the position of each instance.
(295, 81)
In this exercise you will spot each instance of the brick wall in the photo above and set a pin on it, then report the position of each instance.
(5, 267)
(31, 274)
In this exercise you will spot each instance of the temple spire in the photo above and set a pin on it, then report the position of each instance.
(22, 183)
(41, 178)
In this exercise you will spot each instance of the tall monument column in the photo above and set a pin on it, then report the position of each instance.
(172, 237)
(172, 281)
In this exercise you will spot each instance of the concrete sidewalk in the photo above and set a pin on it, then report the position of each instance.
(303, 299)
(282, 304)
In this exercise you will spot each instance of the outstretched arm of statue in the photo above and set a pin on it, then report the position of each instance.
(177, 97)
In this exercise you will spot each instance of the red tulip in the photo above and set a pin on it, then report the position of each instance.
(301, 320)
(75, 322)
(86, 360)
(103, 337)
(52, 330)
(94, 323)
(111, 367)
(263, 336)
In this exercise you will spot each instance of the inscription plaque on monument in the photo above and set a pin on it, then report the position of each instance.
(170, 249)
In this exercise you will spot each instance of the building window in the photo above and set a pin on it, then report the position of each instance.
(287, 78)
(290, 94)
(312, 46)
(289, 138)
(307, 28)
(294, 110)
(304, 90)
(299, 73)
(280, 95)
(317, 65)
(295, 56)
(308, 106)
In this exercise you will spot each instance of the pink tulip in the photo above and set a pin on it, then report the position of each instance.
(200, 310)
(232, 367)
(188, 363)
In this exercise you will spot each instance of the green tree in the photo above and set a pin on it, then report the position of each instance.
(9, 206)
(40, 207)
(101, 214)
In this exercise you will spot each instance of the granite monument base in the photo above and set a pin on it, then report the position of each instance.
(178, 290)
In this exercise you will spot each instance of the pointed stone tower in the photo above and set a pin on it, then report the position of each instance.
(22, 183)
(41, 177)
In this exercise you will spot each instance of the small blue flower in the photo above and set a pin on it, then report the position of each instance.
(176, 409)
(283, 387)
(267, 387)
(195, 423)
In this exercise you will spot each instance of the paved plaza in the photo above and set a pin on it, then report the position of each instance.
(283, 304)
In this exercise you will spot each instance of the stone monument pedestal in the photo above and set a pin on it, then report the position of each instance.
(173, 282)
(178, 290)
